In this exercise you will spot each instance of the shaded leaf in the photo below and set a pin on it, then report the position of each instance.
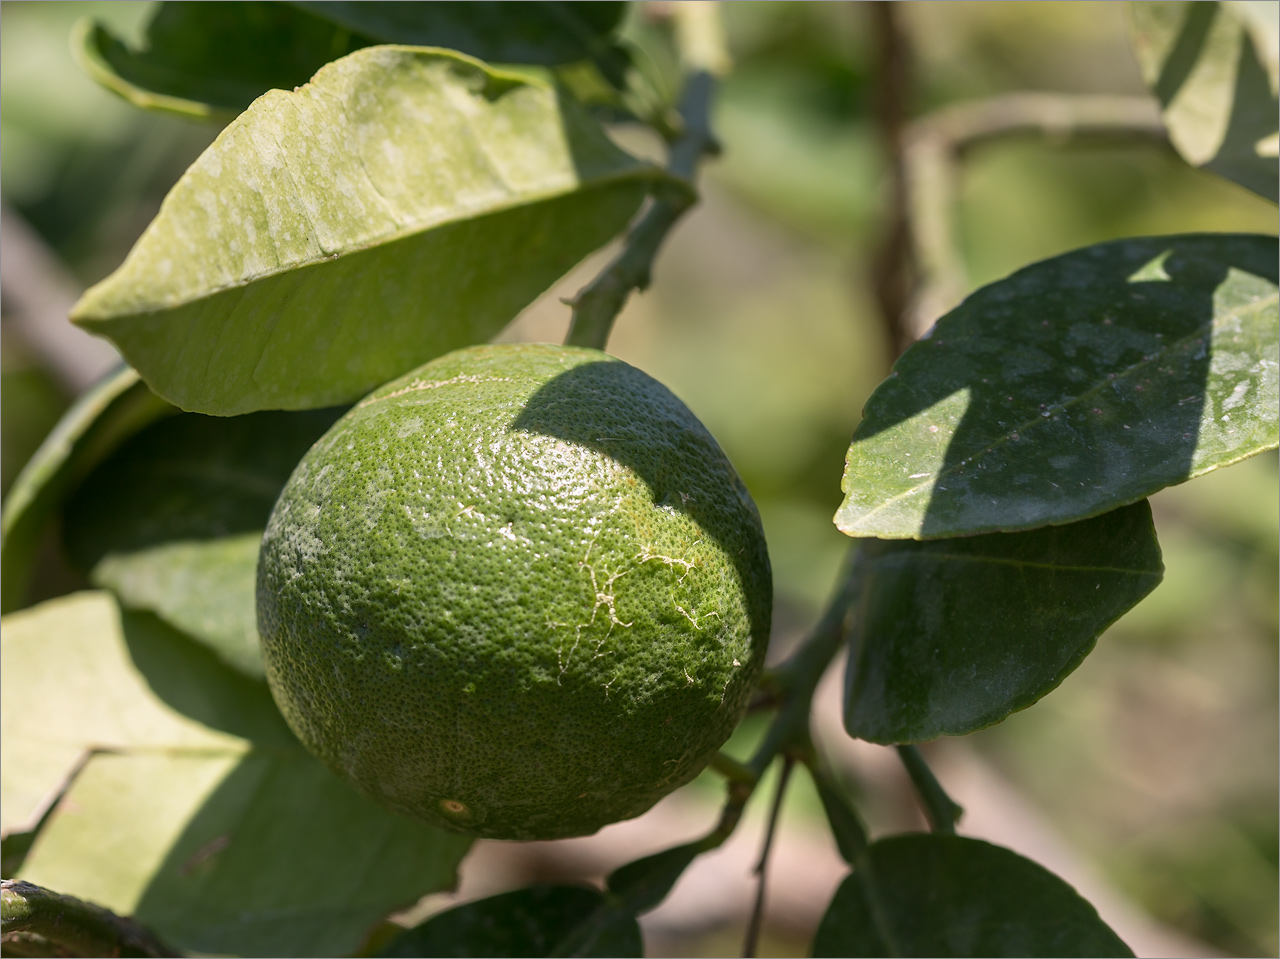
(101, 418)
(211, 60)
(954, 635)
(13, 851)
(952, 896)
(1213, 67)
(639, 886)
(1072, 387)
(171, 522)
(404, 203)
(548, 33)
(537, 921)
(206, 589)
(631, 889)
(196, 810)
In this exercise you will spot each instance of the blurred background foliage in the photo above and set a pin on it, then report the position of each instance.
(1157, 759)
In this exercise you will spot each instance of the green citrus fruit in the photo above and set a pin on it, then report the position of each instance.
(519, 592)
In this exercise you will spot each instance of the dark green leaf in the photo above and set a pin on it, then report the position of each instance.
(632, 889)
(1213, 68)
(954, 635)
(404, 203)
(1072, 387)
(172, 521)
(13, 851)
(639, 886)
(101, 419)
(536, 921)
(211, 60)
(951, 896)
(196, 811)
(549, 33)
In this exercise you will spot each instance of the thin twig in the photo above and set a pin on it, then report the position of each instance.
(942, 811)
(757, 912)
(72, 925)
(934, 146)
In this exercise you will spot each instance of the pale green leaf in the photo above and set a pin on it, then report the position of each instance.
(79, 675)
(196, 810)
(404, 203)
(952, 896)
(206, 588)
(171, 522)
(1213, 67)
(953, 635)
(264, 854)
(101, 419)
(1074, 386)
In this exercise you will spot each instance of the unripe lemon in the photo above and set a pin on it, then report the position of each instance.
(519, 592)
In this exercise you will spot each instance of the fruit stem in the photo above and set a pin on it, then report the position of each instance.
(32, 914)
(732, 770)
(598, 304)
(942, 811)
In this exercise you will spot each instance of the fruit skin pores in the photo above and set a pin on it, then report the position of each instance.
(519, 592)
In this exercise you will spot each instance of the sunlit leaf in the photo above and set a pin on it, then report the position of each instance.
(951, 896)
(101, 419)
(79, 675)
(1072, 387)
(953, 635)
(404, 203)
(195, 809)
(537, 921)
(1214, 68)
(171, 522)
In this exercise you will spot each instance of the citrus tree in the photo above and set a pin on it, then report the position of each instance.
(392, 185)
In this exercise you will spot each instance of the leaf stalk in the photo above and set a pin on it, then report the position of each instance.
(942, 811)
